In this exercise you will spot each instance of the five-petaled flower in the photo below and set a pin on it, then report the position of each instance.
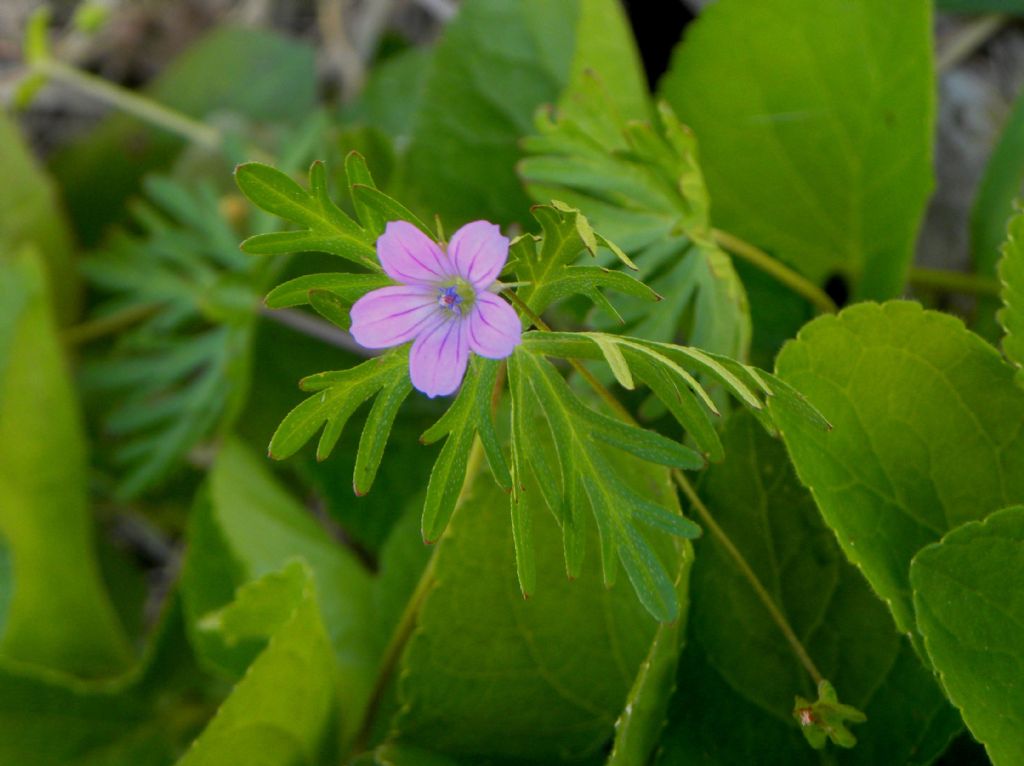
(442, 305)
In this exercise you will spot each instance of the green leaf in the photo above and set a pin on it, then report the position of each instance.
(587, 477)
(638, 728)
(468, 415)
(338, 395)
(642, 184)
(281, 711)
(180, 374)
(97, 174)
(1011, 273)
(393, 93)
(967, 596)
(247, 527)
(544, 264)
(807, 153)
(30, 215)
(348, 287)
(739, 677)
(926, 434)
(488, 675)
(60, 615)
(494, 64)
(326, 228)
(144, 717)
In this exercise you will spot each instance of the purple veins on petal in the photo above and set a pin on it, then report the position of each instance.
(437, 361)
(494, 327)
(390, 316)
(410, 256)
(478, 252)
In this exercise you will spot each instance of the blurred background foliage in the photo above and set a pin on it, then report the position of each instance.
(141, 376)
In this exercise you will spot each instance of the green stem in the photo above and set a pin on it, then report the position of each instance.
(745, 569)
(776, 269)
(144, 108)
(954, 282)
(967, 39)
(93, 329)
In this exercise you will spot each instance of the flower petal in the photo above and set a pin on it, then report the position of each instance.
(390, 316)
(478, 252)
(410, 256)
(494, 327)
(437, 361)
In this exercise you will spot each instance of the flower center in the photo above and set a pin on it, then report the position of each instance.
(456, 297)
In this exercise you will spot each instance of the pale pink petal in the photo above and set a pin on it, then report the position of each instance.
(390, 316)
(410, 256)
(494, 327)
(478, 252)
(437, 361)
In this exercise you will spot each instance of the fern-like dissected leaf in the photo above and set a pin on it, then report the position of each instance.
(182, 372)
(674, 375)
(584, 475)
(468, 416)
(1011, 274)
(641, 185)
(338, 395)
(544, 264)
(327, 229)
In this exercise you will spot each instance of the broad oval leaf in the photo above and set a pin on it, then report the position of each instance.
(967, 594)
(926, 434)
(808, 152)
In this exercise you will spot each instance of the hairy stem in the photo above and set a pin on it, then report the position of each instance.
(94, 329)
(954, 282)
(775, 268)
(745, 569)
(684, 484)
(142, 107)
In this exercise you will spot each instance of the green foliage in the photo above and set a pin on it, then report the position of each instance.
(639, 727)
(584, 476)
(491, 675)
(967, 596)
(807, 151)
(642, 185)
(543, 267)
(463, 144)
(926, 434)
(98, 175)
(281, 712)
(247, 527)
(337, 395)
(30, 215)
(144, 717)
(469, 416)
(739, 678)
(545, 263)
(1011, 273)
(263, 613)
(327, 228)
(181, 374)
(59, 616)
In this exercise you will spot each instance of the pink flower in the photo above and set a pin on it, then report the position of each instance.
(442, 304)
